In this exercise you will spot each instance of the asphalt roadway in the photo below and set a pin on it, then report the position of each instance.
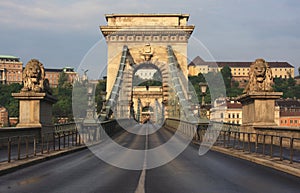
(83, 172)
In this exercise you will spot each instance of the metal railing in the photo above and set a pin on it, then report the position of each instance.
(230, 136)
(64, 136)
(285, 148)
(27, 146)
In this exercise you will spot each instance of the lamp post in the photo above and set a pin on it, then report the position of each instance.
(90, 121)
(138, 111)
(103, 109)
(90, 111)
(203, 87)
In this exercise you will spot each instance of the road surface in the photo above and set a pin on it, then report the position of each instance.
(83, 172)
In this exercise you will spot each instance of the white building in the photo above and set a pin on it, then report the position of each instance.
(146, 73)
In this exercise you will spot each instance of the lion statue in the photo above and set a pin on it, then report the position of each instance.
(260, 77)
(34, 77)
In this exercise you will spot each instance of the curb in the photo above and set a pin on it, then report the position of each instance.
(261, 161)
(19, 164)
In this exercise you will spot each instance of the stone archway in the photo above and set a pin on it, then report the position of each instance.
(147, 37)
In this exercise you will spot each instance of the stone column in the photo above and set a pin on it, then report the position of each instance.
(258, 109)
(35, 109)
(35, 99)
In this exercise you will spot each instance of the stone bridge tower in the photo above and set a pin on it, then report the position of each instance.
(147, 37)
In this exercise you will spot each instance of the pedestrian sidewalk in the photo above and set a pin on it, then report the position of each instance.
(14, 165)
(274, 162)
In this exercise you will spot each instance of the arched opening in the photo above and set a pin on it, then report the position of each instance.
(147, 113)
(147, 93)
(147, 74)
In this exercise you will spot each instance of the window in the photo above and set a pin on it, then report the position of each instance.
(229, 115)
(233, 115)
(291, 121)
(222, 115)
(237, 115)
(295, 121)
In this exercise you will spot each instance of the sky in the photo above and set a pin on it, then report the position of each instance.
(61, 33)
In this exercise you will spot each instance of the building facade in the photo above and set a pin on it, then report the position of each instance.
(146, 73)
(289, 112)
(226, 110)
(239, 70)
(10, 69)
(53, 75)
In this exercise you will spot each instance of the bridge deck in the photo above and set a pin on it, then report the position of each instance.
(189, 172)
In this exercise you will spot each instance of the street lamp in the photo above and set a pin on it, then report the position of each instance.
(138, 111)
(90, 110)
(103, 109)
(203, 87)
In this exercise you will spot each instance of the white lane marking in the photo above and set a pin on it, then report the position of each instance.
(141, 185)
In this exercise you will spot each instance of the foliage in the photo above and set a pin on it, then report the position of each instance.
(195, 80)
(287, 86)
(213, 78)
(232, 87)
(100, 91)
(80, 99)
(63, 80)
(63, 107)
(7, 101)
(227, 76)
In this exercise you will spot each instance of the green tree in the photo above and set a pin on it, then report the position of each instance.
(7, 101)
(195, 80)
(100, 90)
(227, 76)
(63, 80)
(63, 92)
(287, 86)
(80, 99)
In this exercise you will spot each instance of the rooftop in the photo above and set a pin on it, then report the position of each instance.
(198, 61)
(146, 15)
(234, 105)
(9, 57)
(53, 69)
(288, 103)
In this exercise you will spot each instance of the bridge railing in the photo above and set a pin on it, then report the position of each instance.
(230, 136)
(23, 146)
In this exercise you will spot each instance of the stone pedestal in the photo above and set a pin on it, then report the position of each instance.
(35, 109)
(258, 109)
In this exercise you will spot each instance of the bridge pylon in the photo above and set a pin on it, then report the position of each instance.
(136, 41)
